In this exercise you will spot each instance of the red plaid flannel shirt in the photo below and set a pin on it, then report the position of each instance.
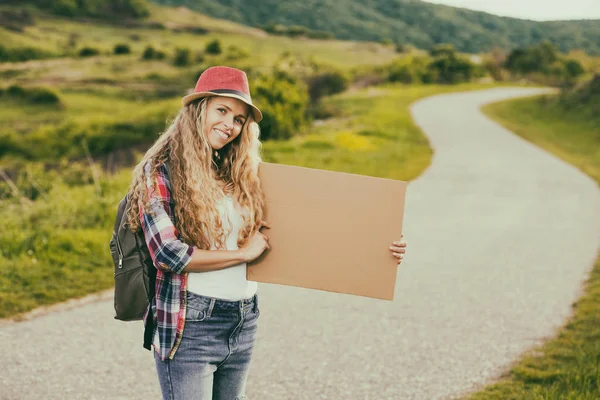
(170, 256)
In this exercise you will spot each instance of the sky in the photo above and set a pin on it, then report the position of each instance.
(538, 10)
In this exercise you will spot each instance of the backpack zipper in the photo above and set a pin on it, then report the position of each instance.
(120, 251)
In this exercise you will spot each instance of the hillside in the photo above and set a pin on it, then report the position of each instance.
(406, 22)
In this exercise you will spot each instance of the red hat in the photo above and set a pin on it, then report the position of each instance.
(223, 81)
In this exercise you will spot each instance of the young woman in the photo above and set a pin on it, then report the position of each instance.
(197, 197)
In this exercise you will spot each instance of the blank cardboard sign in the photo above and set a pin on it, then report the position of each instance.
(330, 230)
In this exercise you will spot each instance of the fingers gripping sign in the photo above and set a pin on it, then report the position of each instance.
(398, 249)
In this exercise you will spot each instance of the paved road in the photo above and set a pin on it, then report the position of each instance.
(501, 235)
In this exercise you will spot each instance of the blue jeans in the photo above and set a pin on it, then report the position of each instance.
(213, 357)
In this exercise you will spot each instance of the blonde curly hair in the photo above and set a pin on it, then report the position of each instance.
(194, 168)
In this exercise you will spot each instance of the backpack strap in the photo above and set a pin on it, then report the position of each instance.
(148, 330)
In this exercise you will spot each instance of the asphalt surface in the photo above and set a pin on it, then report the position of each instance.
(501, 235)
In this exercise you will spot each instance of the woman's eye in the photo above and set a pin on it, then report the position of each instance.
(239, 121)
(221, 110)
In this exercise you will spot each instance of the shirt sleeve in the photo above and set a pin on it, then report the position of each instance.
(167, 251)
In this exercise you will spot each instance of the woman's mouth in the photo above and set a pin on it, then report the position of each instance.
(222, 135)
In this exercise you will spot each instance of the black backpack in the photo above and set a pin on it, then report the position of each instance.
(135, 274)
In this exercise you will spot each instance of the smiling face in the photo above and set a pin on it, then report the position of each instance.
(225, 117)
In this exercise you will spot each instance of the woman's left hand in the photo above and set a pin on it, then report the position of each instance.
(398, 249)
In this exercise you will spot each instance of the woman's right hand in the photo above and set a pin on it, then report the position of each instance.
(257, 244)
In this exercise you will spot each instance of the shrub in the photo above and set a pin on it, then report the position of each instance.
(88, 52)
(182, 57)
(320, 35)
(573, 68)
(452, 69)
(537, 58)
(443, 50)
(411, 70)
(297, 30)
(213, 47)
(121, 48)
(19, 54)
(196, 30)
(33, 95)
(283, 99)
(401, 48)
(148, 53)
(42, 96)
(326, 83)
(448, 67)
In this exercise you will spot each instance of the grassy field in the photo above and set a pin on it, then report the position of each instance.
(568, 366)
(55, 248)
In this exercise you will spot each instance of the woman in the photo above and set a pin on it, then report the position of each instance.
(197, 197)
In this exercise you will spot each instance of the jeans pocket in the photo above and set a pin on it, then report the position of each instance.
(195, 314)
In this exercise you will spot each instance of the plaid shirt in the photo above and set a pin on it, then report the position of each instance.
(170, 256)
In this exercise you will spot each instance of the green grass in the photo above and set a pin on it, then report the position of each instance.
(374, 136)
(573, 135)
(56, 248)
(566, 367)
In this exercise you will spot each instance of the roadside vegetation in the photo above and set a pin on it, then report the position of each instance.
(568, 366)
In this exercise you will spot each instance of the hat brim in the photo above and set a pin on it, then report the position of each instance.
(256, 113)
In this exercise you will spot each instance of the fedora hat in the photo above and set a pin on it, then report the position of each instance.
(223, 81)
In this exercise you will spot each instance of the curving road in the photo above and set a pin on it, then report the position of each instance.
(501, 234)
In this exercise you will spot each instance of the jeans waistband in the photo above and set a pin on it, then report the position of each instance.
(198, 301)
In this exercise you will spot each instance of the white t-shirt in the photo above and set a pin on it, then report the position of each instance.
(228, 283)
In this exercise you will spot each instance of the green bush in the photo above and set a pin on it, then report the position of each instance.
(412, 70)
(9, 144)
(537, 58)
(32, 95)
(573, 68)
(542, 63)
(88, 52)
(326, 84)
(448, 67)
(283, 99)
(213, 47)
(182, 57)
(452, 69)
(121, 48)
(320, 35)
(400, 48)
(19, 54)
(148, 53)
(296, 31)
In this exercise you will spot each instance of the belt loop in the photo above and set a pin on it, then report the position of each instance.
(255, 309)
(211, 306)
